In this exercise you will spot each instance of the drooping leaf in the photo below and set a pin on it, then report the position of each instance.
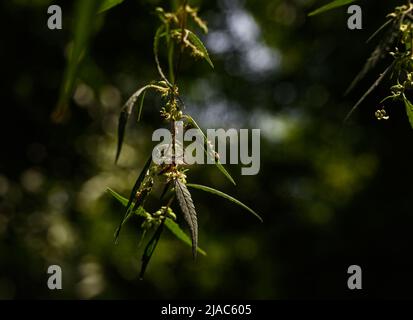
(124, 117)
(135, 189)
(188, 209)
(332, 5)
(139, 181)
(180, 234)
(409, 109)
(150, 248)
(223, 195)
(217, 162)
(379, 53)
(83, 29)
(123, 120)
(370, 90)
(193, 38)
(169, 223)
(108, 4)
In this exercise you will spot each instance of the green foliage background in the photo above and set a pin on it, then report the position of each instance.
(330, 195)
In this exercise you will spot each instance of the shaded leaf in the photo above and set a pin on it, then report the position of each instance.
(409, 109)
(188, 209)
(180, 234)
(108, 4)
(384, 25)
(193, 38)
(85, 12)
(165, 190)
(217, 162)
(223, 195)
(379, 53)
(330, 6)
(370, 90)
(150, 248)
(135, 189)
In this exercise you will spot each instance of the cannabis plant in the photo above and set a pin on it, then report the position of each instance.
(397, 43)
(175, 37)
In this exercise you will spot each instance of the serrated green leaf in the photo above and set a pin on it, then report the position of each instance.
(217, 162)
(193, 38)
(118, 197)
(124, 117)
(223, 195)
(330, 6)
(135, 189)
(108, 4)
(150, 248)
(188, 209)
(370, 90)
(169, 223)
(378, 54)
(409, 109)
(180, 234)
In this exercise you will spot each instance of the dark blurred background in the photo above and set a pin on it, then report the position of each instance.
(331, 195)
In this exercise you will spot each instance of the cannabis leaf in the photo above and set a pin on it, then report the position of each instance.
(193, 38)
(169, 223)
(124, 117)
(379, 53)
(217, 162)
(135, 188)
(188, 209)
(150, 248)
(180, 234)
(370, 90)
(224, 195)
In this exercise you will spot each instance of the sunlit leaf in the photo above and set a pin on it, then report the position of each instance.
(150, 248)
(108, 4)
(223, 195)
(193, 38)
(217, 162)
(331, 5)
(180, 234)
(188, 209)
(169, 223)
(83, 28)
